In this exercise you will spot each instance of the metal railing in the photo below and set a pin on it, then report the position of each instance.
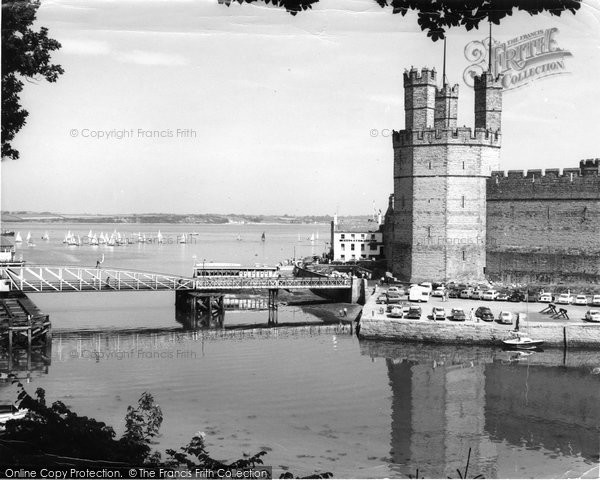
(51, 278)
(288, 283)
(45, 278)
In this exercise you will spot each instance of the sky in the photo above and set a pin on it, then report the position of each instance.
(247, 109)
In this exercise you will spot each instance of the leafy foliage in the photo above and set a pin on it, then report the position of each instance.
(196, 448)
(25, 54)
(55, 435)
(143, 423)
(57, 430)
(436, 16)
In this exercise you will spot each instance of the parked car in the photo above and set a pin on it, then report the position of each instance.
(485, 314)
(458, 315)
(414, 312)
(382, 298)
(427, 286)
(592, 315)
(454, 293)
(396, 312)
(438, 313)
(490, 295)
(394, 290)
(581, 300)
(466, 293)
(516, 296)
(393, 297)
(565, 299)
(438, 292)
(596, 301)
(505, 318)
(545, 297)
(502, 297)
(476, 294)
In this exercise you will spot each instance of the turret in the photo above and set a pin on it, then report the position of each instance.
(488, 101)
(446, 107)
(590, 167)
(419, 98)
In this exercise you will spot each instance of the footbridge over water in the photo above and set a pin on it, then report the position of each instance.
(194, 296)
(53, 278)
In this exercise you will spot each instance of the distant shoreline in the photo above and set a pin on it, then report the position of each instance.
(213, 219)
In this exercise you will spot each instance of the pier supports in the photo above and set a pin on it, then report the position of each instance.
(273, 294)
(194, 308)
(25, 334)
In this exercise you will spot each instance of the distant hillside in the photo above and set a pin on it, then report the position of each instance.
(23, 216)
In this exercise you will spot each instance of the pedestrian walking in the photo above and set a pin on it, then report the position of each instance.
(473, 314)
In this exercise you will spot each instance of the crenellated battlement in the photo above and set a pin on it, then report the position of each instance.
(590, 166)
(424, 76)
(552, 183)
(462, 135)
(447, 91)
(487, 80)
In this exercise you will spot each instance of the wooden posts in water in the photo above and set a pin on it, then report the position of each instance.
(273, 306)
(21, 323)
(24, 333)
(195, 307)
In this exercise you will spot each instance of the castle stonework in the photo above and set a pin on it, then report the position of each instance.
(544, 226)
(436, 223)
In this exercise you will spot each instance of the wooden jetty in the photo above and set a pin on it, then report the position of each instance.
(22, 325)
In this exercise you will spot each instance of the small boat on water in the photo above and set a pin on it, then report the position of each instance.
(18, 238)
(263, 238)
(522, 342)
(45, 236)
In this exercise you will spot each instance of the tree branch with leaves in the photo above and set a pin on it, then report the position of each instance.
(25, 56)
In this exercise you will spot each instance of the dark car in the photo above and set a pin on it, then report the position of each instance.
(485, 314)
(458, 315)
(516, 296)
(393, 297)
(454, 293)
(414, 312)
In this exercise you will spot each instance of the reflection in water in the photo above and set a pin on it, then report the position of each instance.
(447, 400)
(320, 406)
(24, 364)
(537, 406)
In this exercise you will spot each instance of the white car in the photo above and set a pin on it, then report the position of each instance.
(476, 294)
(438, 313)
(393, 289)
(581, 300)
(426, 286)
(506, 318)
(596, 301)
(465, 293)
(565, 299)
(438, 292)
(592, 315)
(490, 295)
(545, 298)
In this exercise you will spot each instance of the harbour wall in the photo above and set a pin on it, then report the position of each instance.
(558, 335)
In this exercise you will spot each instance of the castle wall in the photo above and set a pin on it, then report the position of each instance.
(544, 226)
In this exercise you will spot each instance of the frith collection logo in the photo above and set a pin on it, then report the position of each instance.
(522, 59)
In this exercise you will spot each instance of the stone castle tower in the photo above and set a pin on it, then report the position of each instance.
(436, 223)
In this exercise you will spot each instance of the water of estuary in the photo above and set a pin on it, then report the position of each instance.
(314, 401)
